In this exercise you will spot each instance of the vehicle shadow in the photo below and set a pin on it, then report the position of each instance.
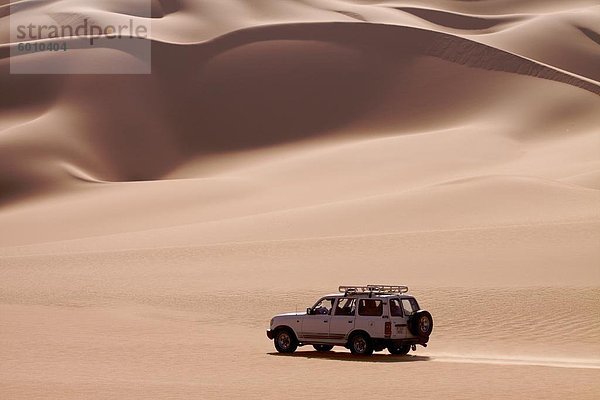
(345, 356)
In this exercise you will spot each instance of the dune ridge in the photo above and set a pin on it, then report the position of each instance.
(461, 21)
(316, 119)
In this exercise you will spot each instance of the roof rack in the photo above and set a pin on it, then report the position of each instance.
(373, 289)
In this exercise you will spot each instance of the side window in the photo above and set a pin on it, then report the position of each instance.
(345, 306)
(410, 306)
(324, 306)
(395, 308)
(414, 304)
(370, 307)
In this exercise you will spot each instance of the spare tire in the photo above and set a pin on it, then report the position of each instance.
(421, 324)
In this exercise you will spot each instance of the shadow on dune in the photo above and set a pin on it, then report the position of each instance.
(592, 35)
(248, 89)
(274, 84)
(343, 356)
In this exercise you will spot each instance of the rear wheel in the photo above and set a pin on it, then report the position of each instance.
(285, 341)
(399, 349)
(361, 344)
(322, 347)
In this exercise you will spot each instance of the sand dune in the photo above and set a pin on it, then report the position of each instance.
(152, 224)
(357, 83)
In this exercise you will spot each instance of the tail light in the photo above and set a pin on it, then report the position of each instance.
(388, 329)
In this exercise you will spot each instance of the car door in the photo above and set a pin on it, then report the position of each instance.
(342, 319)
(315, 326)
(398, 319)
(409, 307)
(370, 317)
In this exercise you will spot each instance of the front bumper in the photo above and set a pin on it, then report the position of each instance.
(269, 334)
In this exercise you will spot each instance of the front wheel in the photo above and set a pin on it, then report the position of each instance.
(361, 344)
(322, 347)
(399, 349)
(285, 341)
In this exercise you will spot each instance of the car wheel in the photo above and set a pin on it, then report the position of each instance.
(399, 349)
(285, 341)
(421, 324)
(361, 344)
(322, 347)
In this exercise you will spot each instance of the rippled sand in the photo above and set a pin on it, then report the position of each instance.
(151, 225)
(99, 343)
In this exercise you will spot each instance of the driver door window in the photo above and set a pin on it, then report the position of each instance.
(323, 307)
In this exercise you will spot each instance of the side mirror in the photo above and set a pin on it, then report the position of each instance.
(308, 311)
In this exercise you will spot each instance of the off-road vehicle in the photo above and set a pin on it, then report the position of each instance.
(361, 318)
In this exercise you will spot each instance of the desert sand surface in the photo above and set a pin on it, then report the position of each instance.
(151, 225)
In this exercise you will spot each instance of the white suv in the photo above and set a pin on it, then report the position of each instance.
(361, 318)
